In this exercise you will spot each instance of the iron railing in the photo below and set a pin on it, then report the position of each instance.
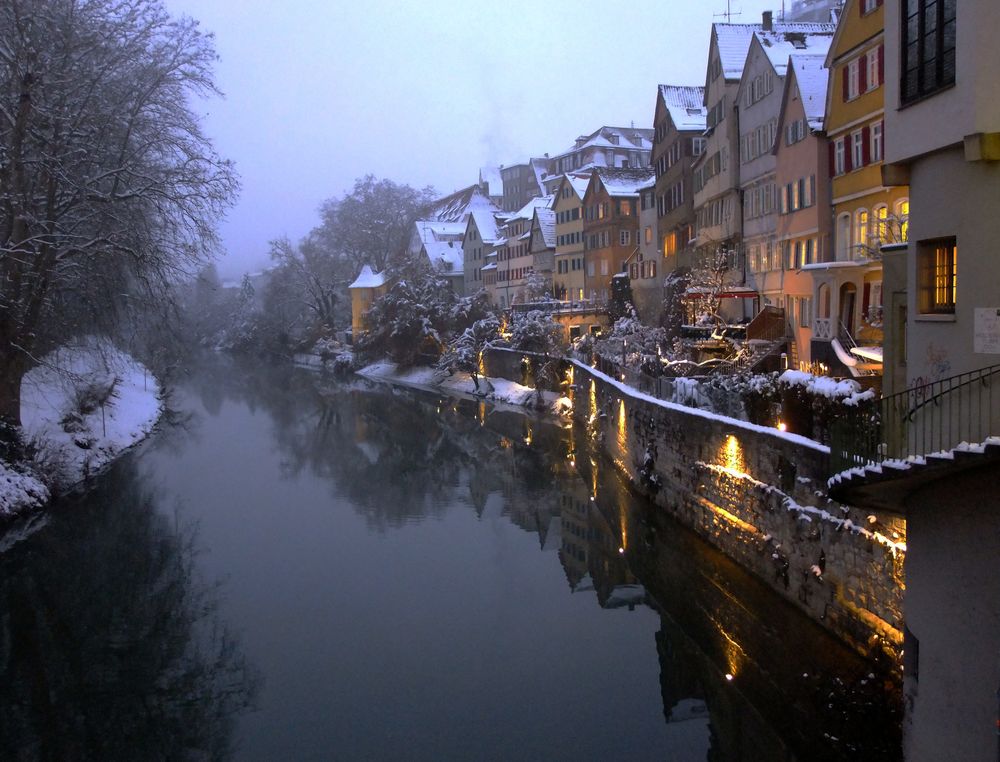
(924, 419)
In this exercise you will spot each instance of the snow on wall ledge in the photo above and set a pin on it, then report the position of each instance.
(759, 496)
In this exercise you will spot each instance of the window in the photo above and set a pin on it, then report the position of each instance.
(937, 270)
(880, 218)
(903, 215)
(805, 312)
(857, 149)
(876, 138)
(649, 234)
(867, 6)
(839, 156)
(927, 49)
(872, 59)
(604, 267)
(853, 79)
(698, 146)
(861, 228)
(624, 237)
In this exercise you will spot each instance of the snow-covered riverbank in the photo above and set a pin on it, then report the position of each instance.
(80, 409)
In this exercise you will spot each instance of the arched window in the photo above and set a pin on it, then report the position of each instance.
(861, 230)
(903, 215)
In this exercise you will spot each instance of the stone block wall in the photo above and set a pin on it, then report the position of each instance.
(758, 495)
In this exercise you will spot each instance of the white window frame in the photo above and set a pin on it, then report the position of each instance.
(871, 59)
(839, 156)
(876, 142)
(857, 150)
(853, 79)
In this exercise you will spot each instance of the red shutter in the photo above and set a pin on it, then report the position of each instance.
(866, 300)
(846, 84)
(866, 146)
(863, 73)
(833, 159)
(861, 8)
(881, 61)
(848, 153)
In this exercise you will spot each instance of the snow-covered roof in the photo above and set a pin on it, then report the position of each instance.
(628, 137)
(367, 278)
(813, 78)
(445, 255)
(487, 224)
(431, 231)
(624, 182)
(527, 211)
(685, 105)
(734, 40)
(779, 45)
(457, 206)
(546, 221)
(490, 266)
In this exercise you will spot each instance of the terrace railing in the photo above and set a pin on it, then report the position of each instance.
(920, 420)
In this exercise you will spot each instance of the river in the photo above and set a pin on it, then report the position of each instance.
(297, 568)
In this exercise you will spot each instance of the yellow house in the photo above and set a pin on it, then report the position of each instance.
(365, 289)
(866, 214)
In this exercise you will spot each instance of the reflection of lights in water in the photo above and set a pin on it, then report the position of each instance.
(480, 364)
(481, 413)
(621, 550)
(782, 426)
(504, 443)
(621, 423)
(729, 676)
(527, 436)
(593, 398)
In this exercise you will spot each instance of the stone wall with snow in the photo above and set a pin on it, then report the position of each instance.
(758, 495)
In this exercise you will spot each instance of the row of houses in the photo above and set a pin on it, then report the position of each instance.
(783, 174)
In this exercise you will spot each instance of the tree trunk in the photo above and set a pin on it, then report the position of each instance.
(12, 370)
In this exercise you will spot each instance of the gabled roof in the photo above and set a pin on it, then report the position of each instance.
(733, 41)
(577, 180)
(778, 46)
(446, 256)
(813, 79)
(456, 206)
(545, 221)
(430, 231)
(636, 138)
(527, 211)
(686, 106)
(486, 223)
(624, 182)
(368, 279)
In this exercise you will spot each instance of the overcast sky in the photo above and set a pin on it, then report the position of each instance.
(320, 92)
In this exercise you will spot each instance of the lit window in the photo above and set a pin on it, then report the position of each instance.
(903, 215)
(861, 228)
(881, 219)
(937, 271)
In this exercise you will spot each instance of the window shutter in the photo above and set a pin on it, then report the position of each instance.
(833, 159)
(861, 8)
(845, 82)
(866, 146)
(863, 72)
(881, 61)
(848, 154)
(866, 300)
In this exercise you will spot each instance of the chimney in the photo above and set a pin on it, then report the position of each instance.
(767, 21)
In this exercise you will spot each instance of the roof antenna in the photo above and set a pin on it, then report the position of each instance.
(728, 13)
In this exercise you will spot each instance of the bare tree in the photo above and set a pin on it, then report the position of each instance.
(109, 190)
(372, 224)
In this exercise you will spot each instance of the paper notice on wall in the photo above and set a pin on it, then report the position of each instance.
(986, 340)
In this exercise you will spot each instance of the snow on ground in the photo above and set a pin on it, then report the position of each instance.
(491, 389)
(63, 417)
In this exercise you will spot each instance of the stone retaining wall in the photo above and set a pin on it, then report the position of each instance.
(757, 494)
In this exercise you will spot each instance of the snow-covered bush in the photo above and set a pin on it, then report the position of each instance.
(536, 332)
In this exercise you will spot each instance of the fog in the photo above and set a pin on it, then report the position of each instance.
(320, 92)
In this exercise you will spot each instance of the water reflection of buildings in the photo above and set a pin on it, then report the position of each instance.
(741, 672)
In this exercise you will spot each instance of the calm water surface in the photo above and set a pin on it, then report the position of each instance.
(300, 569)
